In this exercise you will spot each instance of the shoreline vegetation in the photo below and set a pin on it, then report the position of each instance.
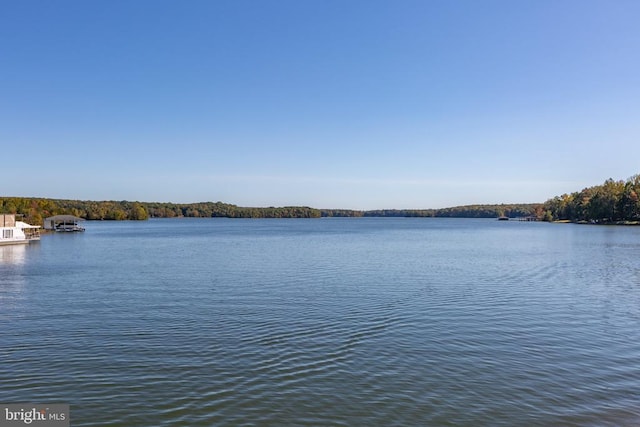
(613, 202)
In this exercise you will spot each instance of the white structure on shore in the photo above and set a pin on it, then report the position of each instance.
(14, 232)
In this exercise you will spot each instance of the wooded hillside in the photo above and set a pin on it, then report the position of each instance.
(35, 210)
(610, 202)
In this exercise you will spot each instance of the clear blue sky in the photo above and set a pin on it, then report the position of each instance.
(332, 104)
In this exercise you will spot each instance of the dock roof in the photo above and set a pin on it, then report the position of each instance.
(64, 218)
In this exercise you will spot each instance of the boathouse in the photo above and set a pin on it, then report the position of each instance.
(63, 223)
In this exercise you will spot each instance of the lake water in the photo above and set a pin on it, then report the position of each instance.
(326, 322)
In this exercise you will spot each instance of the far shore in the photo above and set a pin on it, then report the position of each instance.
(594, 222)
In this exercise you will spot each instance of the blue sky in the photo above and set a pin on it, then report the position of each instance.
(331, 104)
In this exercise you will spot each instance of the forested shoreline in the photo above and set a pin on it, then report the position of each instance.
(35, 210)
(611, 202)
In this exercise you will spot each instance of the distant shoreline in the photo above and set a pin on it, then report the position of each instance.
(35, 210)
(612, 203)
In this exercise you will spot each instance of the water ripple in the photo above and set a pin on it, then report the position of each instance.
(327, 323)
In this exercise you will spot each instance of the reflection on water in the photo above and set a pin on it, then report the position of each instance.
(13, 254)
(12, 279)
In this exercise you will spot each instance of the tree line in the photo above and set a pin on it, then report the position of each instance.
(608, 203)
(611, 202)
(468, 211)
(226, 210)
(35, 210)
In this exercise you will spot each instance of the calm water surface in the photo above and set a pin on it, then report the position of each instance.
(326, 322)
